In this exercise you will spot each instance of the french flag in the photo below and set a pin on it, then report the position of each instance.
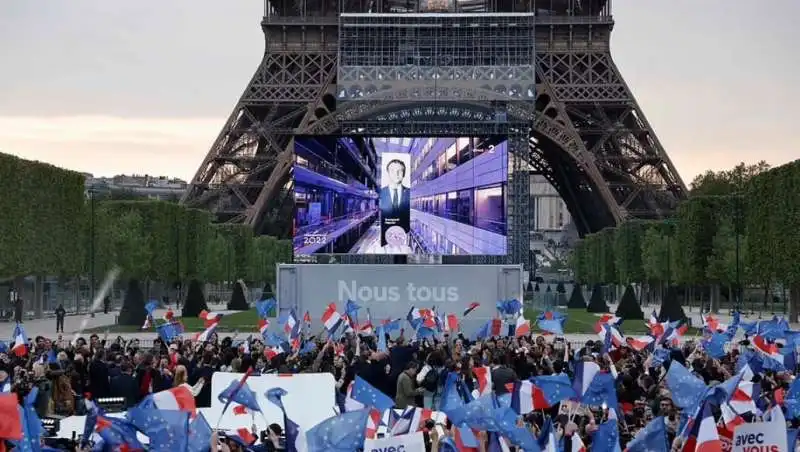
(373, 422)
(730, 418)
(20, 347)
(413, 317)
(496, 327)
(577, 443)
(770, 350)
(484, 376)
(585, 372)
(367, 328)
(742, 400)
(169, 316)
(272, 352)
(451, 325)
(611, 319)
(472, 306)
(413, 420)
(263, 326)
(641, 343)
(206, 334)
(616, 336)
(523, 327)
(210, 318)
(179, 398)
(291, 327)
(707, 437)
(331, 319)
(528, 397)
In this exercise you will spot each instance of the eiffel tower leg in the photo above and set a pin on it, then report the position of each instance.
(243, 178)
(636, 177)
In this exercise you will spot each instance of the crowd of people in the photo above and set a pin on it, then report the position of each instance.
(419, 372)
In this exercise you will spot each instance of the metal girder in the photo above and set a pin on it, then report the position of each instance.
(589, 137)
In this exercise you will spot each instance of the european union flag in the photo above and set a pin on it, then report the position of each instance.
(480, 413)
(343, 433)
(150, 307)
(381, 347)
(452, 404)
(392, 325)
(602, 389)
(606, 438)
(32, 430)
(367, 394)
(509, 307)
(199, 435)
(266, 308)
(652, 438)
(168, 430)
(555, 388)
(687, 390)
(661, 356)
(169, 331)
(518, 436)
(554, 326)
(117, 433)
(239, 392)
(715, 345)
(307, 348)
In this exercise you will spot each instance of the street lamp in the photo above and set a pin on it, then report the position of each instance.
(91, 192)
(737, 232)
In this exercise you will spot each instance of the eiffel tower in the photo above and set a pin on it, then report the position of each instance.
(540, 71)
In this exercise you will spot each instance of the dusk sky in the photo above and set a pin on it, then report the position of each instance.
(144, 87)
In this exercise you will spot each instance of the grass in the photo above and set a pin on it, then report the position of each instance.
(578, 322)
(244, 321)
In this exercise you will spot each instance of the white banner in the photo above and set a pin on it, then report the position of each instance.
(760, 437)
(413, 442)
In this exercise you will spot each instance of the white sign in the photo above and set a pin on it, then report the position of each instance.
(760, 437)
(413, 442)
(310, 399)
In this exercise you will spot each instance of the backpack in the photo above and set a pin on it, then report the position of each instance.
(431, 380)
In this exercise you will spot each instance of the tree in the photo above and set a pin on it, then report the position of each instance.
(596, 302)
(629, 308)
(560, 287)
(238, 300)
(628, 252)
(671, 309)
(195, 300)
(133, 311)
(722, 183)
(576, 300)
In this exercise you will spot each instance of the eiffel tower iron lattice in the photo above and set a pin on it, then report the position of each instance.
(350, 66)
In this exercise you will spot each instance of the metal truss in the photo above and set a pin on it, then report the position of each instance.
(585, 132)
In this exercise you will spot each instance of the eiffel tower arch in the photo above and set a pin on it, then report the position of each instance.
(538, 70)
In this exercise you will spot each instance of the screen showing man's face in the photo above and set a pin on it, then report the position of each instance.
(395, 171)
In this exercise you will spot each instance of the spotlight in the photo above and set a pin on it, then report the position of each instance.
(51, 425)
(111, 404)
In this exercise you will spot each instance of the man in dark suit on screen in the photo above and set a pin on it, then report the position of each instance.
(395, 198)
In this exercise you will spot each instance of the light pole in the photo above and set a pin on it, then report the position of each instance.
(91, 192)
(737, 231)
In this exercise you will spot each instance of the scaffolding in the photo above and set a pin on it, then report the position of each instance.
(436, 56)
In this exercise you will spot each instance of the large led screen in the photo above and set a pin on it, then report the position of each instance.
(380, 195)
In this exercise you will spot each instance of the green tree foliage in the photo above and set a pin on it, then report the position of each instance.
(656, 249)
(41, 226)
(576, 300)
(133, 311)
(608, 269)
(596, 302)
(629, 308)
(238, 301)
(628, 252)
(195, 300)
(694, 236)
(723, 183)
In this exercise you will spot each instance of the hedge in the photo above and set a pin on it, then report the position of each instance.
(697, 245)
(49, 226)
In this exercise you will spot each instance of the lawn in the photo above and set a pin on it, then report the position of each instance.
(244, 321)
(578, 322)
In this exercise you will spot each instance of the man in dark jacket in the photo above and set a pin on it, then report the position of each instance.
(124, 385)
(99, 385)
(501, 376)
(60, 314)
